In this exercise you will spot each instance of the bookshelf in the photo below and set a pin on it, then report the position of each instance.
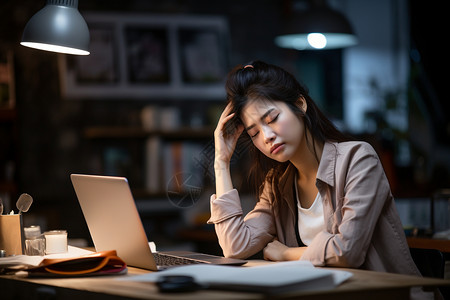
(169, 172)
(167, 157)
(120, 132)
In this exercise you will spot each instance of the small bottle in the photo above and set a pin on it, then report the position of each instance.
(34, 241)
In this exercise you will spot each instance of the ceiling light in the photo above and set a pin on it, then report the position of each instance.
(58, 27)
(318, 27)
(317, 40)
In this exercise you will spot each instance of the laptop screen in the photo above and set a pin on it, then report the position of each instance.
(112, 218)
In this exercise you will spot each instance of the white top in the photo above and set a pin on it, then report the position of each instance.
(310, 220)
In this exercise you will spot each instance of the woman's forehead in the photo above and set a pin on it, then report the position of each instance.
(261, 105)
(254, 109)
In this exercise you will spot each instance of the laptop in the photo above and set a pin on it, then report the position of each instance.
(114, 223)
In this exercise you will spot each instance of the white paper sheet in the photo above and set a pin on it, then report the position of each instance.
(267, 276)
(21, 260)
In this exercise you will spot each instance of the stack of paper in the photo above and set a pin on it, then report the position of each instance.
(26, 260)
(269, 278)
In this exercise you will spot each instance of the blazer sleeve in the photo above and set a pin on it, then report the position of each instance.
(361, 194)
(239, 236)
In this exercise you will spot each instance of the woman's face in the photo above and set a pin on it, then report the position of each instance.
(274, 129)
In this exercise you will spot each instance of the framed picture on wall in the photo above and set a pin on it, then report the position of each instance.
(201, 55)
(100, 68)
(149, 57)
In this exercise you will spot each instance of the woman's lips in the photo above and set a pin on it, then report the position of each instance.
(276, 148)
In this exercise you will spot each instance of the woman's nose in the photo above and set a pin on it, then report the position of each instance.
(269, 134)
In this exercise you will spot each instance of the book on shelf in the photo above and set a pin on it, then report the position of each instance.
(153, 164)
(172, 166)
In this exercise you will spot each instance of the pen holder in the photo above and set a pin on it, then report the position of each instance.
(11, 234)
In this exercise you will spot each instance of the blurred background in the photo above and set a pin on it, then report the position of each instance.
(145, 102)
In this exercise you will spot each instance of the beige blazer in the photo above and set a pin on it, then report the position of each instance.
(363, 229)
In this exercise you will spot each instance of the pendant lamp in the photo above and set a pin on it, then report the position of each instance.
(318, 27)
(58, 27)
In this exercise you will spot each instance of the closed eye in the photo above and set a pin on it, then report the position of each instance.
(268, 119)
(274, 119)
(253, 136)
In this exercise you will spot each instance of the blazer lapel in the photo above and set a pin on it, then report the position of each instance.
(325, 182)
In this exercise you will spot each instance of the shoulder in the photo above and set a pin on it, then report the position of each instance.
(357, 158)
(340, 161)
(354, 148)
(345, 155)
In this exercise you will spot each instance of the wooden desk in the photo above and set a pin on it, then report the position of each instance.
(363, 285)
(428, 243)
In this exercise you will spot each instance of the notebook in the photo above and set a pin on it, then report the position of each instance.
(114, 223)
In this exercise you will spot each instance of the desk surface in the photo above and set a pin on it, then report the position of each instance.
(363, 285)
(428, 243)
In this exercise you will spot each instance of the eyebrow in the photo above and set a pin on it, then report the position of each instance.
(262, 118)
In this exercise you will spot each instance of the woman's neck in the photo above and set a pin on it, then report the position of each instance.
(307, 159)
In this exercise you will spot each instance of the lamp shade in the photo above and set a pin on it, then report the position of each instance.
(58, 27)
(319, 27)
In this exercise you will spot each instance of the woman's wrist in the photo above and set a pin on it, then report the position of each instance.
(294, 253)
(223, 177)
(220, 165)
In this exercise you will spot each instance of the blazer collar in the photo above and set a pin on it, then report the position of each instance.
(286, 186)
(326, 171)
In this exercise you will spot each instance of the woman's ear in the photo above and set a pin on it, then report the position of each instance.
(301, 103)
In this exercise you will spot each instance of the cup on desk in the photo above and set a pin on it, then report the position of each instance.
(11, 234)
(55, 241)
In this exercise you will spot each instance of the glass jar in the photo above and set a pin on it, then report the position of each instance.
(34, 241)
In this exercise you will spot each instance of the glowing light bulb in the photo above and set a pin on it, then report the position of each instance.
(55, 48)
(317, 40)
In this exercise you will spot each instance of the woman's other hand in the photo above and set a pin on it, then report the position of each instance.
(277, 251)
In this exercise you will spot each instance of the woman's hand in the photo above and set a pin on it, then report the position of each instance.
(224, 141)
(277, 251)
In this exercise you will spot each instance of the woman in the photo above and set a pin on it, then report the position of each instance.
(322, 197)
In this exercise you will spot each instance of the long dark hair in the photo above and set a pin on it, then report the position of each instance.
(259, 80)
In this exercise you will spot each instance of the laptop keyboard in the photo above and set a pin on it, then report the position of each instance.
(162, 259)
